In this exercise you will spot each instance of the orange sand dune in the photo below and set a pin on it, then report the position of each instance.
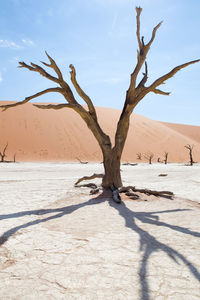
(49, 135)
(190, 131)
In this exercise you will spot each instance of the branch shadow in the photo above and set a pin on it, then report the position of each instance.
(59, 212)
(148, 243)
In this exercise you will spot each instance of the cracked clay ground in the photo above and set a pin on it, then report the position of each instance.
(58, 242)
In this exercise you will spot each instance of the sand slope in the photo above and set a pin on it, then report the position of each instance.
(38, 135)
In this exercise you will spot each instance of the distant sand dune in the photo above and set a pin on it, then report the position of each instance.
(38, 135)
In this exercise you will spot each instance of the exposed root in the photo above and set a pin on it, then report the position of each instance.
(88, 178)
(129, 189)
(90, 185)
(95, 191)
(116, 196)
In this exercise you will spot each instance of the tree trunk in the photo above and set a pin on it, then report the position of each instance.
(191, 158)
(112, 177)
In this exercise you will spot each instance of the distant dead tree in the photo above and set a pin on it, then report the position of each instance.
(158, 159)
(3, 153)
(135, 93)
(149, 156)
(139, 155)
(14, 157)
(166, 157)
(190, 148)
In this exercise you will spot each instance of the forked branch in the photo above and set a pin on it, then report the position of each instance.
(53, 65)
(35, 68)
(142, 53)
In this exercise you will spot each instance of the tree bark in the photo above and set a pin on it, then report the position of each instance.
(112, 177)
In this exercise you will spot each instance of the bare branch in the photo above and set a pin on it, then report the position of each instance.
(189, 147)
(154, 34)
(138, 11)
(54, 106)
(157, 91)
(38, 69)
(27, 99)
(89, 178)
(165, 77)
(81, 93)
(54, 66)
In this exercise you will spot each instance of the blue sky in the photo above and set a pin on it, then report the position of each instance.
(99, 38)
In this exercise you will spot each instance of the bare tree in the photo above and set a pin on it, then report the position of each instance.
(14, 157)
(3, 153)
(190, 148)
(149, 156)
(139, 155)
(135, 93)
(166, 157)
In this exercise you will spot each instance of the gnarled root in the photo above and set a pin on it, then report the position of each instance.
(129, 189)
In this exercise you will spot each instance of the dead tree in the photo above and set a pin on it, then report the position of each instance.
(14, 157)
(3, 153)
(166, 158)
(135, 93)
(190, 148)
(149, 157)
(139, 155)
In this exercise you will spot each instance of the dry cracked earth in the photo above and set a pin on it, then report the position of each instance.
(58, 242)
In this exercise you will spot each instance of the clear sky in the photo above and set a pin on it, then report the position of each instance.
(99, 38)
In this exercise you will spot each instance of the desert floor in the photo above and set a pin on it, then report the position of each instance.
(59, 242)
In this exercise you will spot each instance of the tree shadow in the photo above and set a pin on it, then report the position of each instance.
(148, 243)
(59, 212)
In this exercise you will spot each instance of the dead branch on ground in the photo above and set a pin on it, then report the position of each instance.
(88, 178)
(129, 164)
(82, 162)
